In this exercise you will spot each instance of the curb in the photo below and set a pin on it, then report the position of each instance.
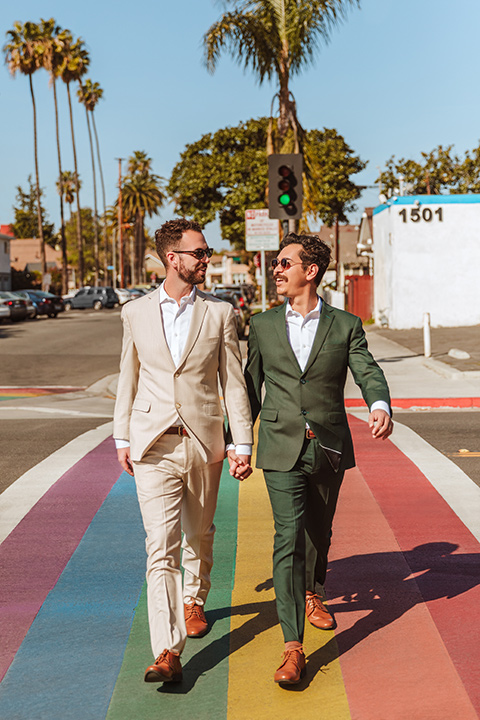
(421, 403)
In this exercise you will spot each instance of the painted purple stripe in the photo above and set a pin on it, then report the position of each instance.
(35, 553)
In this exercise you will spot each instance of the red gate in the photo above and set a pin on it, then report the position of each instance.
(359, 295)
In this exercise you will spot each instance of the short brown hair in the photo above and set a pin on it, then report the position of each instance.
(314, 252)
(170, 234)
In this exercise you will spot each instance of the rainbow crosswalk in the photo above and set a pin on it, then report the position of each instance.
(18, 393)
(403, 583)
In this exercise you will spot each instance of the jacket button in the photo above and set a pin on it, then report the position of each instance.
(304, 412)
(303, 381)
(178, 405)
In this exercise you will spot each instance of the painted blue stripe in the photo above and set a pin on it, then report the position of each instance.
(429, 200)
(68, 663)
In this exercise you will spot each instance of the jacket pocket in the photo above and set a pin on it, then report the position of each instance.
(269, 414)
(142, 405)
(211, 409)
(336, 417)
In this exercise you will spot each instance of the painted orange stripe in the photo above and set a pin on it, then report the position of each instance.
(461, 402)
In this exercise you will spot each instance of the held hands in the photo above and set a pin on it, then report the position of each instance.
(123, 455)
(381, 424)
(240, 467)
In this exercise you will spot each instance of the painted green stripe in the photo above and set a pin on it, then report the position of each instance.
(203, 692)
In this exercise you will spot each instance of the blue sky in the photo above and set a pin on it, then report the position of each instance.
(396, 78)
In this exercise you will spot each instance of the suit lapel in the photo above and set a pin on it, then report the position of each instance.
(281, 328)
(326, 319)
(154, 320)
(199, 310)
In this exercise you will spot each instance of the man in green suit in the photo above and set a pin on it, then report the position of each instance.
(299, 354)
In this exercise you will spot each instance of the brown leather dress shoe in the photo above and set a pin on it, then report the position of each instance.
(195, 620)
(317, 614)
(292, 668)
(166, 668)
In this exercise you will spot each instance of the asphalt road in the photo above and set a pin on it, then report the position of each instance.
(449, 432)
(76, 348)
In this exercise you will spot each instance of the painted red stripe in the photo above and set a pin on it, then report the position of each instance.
(441, 555)
(462, 402)
(35, 553)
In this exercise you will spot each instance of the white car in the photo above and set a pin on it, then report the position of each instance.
(4, 312)
(123, 295)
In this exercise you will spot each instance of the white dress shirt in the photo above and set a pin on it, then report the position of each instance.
(176, 325)
(301, 333)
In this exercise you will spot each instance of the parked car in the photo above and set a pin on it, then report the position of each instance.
(16, 306)
(123, 295)
(246, 290)
(136, 293)
(31, 309)
(45, 303)
(243, 306)
(93, 297)
(237, 311)
(4, 312)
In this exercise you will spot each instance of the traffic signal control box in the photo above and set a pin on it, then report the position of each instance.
(285, 189)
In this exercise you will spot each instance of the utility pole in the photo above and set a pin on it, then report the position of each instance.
(120, 221)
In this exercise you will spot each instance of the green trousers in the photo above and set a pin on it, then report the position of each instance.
(303, 503)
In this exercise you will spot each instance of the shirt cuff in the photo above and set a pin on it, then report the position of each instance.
(240, 449)
(121, 443)
(381, 405)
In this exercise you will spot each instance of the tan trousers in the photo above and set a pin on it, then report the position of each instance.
(177, 491)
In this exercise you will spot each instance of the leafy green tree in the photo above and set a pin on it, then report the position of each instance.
(66, 185)
(88, 248)
(437, 173)
(223, 174)
(276, 39)
(142, 195)
(22, 55)
(26, 214)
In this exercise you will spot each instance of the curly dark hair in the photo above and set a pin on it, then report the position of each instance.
(314, 252)
(170, 234)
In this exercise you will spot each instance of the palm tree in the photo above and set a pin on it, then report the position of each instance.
(93, 93)
(52, 43)
(142, 194)
(22, 55)
(276, 39)
(67, 186)
(88, 100)
(74, 65)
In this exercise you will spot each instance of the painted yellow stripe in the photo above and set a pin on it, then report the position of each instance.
(256, 639)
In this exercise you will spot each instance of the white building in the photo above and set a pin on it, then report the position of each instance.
(427, 259)
(5, 272)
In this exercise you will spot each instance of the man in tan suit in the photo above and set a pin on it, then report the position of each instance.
(178, 346)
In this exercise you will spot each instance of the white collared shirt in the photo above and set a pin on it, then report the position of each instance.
(301, 333)
(176, 321)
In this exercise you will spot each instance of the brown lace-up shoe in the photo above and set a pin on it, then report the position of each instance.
(166, 668)
(317, 614)
(292, 668)
(195, 620)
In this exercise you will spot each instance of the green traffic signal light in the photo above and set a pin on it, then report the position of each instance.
(284, 199)
(285, 186)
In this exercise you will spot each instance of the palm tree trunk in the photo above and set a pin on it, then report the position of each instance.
(105, 239)
(62, 217)
(95, 219)
(77, 189)
(37, 179)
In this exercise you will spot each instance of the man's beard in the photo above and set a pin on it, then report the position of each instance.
(191, 277)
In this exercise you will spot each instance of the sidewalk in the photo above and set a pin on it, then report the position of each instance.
(403, 583)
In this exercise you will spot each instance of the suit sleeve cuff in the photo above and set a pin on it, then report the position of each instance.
(121, 443)
(381, 405)
(240, 449)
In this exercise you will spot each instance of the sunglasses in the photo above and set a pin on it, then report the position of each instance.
(197, 254)
(286, 263)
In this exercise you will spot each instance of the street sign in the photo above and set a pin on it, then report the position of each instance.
(261, 232)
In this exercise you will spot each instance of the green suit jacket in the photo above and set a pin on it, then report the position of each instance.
(314, 395)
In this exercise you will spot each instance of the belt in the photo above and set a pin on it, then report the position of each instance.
(179, 430)
(309, 434)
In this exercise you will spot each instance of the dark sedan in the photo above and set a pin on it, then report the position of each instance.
(17, 306)
(45, 303)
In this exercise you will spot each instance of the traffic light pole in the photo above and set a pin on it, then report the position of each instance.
(264, 280)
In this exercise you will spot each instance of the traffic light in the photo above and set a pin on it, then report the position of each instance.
(285, 190)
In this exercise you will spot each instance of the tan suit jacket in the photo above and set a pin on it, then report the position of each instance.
(152, 392)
